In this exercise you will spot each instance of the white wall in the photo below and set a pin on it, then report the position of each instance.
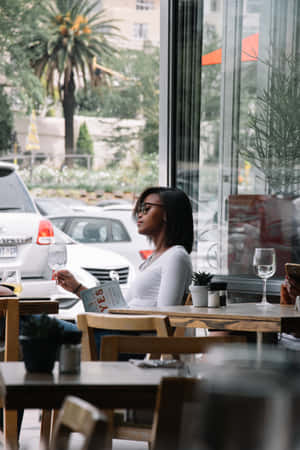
(51, 135)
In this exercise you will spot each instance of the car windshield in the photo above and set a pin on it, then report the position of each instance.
(13, 195)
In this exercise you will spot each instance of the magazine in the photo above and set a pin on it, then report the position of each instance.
(101, 298)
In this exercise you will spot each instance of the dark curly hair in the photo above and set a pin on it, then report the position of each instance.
(179, 227)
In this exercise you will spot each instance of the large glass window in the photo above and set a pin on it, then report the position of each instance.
(247, 173)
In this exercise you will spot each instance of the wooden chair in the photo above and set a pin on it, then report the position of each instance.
(88, 322)
(9, 307)
(113, 346)
(178, 400)
(79, 416)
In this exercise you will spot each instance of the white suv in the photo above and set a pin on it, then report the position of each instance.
(25, 237)
(24, 234)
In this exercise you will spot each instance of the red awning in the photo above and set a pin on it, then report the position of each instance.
(249, 52)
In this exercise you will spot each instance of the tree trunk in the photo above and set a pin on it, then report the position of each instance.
(69, 108)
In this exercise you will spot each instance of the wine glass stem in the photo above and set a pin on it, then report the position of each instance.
(264, 297)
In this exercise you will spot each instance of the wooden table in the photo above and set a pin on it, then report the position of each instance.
(13, 308)
(107, 385)
(237, 317)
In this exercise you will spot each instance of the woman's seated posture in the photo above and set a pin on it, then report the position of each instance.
(164, 215)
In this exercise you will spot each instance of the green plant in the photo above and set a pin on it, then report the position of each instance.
(273, 134)
(69, 37)
(85, 145)
(201, 278)
(42, 326)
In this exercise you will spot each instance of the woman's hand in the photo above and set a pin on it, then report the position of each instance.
(67, 281)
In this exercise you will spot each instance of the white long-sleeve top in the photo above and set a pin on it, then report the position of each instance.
(162, 281)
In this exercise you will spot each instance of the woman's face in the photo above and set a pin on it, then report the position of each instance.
(151, 218)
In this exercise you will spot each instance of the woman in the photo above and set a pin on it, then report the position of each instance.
(164, 215)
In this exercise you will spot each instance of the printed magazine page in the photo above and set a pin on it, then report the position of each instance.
(101, 298)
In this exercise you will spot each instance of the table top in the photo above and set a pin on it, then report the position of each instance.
(235, 316)
(37, 306)
(107, 384)
(233, 310)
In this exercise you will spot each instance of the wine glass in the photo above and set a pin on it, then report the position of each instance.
(264, 262)
(57, 256)
(12, 278)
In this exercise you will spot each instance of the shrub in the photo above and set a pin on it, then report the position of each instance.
(84, 145)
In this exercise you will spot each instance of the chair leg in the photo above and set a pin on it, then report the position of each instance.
(10, 429)
(45, 427)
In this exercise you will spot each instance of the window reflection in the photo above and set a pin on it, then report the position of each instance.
(246, 187)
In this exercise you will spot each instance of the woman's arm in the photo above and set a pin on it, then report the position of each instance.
(176, 275)
(67, 280)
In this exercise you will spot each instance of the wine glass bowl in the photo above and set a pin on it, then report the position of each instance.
(264, 263)
(57, 256)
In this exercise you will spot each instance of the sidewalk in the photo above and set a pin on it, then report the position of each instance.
(30, 435)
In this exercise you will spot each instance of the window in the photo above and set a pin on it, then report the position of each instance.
(140, 31)
(247, 194)
(213, 5)
(100, 230)
(253, 6)
(144, 4)
(118, 232)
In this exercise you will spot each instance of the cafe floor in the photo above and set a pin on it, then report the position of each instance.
(30, 435)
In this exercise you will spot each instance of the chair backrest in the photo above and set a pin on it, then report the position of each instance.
(79, 416)
(88, 322)
(112, 346)
(176, 416)
(236, 410)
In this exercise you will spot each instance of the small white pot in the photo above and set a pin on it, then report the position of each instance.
(199, 295)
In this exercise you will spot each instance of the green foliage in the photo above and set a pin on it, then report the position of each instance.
(17, 22)
(84, 144)
(133, 177)
(201, 278)
(134, 94)
(108, 101)
(273, 137)
(6, 123)
(42, 327)
(68, 38)
(210, 77)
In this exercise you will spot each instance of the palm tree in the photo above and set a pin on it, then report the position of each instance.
(69, 38)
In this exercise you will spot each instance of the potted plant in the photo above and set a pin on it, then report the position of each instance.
(199, 288)
(40, 339)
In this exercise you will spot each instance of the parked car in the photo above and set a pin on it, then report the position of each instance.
(101, 265)
(111, 228)
(24, 234)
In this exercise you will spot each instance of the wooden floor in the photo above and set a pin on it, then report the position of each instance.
(30, 435)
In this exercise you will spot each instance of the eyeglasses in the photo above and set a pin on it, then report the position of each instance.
(145, 207)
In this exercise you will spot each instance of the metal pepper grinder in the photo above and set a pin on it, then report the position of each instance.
(70, 353)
